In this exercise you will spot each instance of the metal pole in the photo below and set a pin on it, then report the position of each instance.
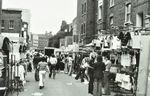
(11, 73)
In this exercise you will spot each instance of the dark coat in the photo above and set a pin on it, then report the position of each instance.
(99, 67)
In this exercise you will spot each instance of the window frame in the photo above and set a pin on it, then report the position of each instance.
(111, 3)
(11, 24)
(128, 12)
(111, 20)
(100, 12)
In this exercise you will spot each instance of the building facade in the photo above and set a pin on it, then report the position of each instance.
(11, 24)
(62, 42)
(114, 16)
(86, 21)
(0, 14)
(68, 41)
(11, 21)
(75, 33)
(101, 15)
(35, 41)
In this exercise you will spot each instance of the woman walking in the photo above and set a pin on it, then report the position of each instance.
(99, 68)
(43, 68)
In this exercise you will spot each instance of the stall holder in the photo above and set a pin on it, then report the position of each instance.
(124, 69)
(125, 55)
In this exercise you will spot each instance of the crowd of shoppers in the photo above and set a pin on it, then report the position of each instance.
(92, 68)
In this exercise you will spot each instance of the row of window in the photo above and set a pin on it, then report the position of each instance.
(127, 12)
(11, 24)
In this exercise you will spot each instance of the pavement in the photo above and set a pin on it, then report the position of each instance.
(62, 85)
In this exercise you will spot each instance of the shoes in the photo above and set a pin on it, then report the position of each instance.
(40, 87)
(76, 78)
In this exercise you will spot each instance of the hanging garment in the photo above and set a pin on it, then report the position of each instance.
(118, 77)
(125, 60)
(121, 36)
(126, 39)
(126, 84)
(136, 42)
(97, 42)
(133, 60)
(115, 43)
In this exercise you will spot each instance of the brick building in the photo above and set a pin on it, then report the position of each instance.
(141, 11)
(115, 15)
(101, 15)
(11, 24)
(75, 33)
(11, 21)
(0, 13)
(86, 20)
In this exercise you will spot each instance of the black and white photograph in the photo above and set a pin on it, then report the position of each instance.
(74, 47)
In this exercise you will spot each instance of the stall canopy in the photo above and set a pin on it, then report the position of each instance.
(89, 45)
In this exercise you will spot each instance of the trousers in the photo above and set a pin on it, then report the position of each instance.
(97, 91)
(42, 77)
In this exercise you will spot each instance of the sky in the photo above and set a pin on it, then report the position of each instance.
(46, 15)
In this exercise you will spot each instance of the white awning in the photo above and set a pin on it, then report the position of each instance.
(89, 45)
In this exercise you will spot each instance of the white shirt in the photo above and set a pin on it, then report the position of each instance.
(70, 60)
(53, 60)
(108, 65)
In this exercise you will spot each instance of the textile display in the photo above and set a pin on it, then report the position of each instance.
(136, 42)
(125, 60)
(124, 80)
(115, 43)
(133, 60)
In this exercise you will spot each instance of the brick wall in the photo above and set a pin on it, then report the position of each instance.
(88, 18)
(8, 15)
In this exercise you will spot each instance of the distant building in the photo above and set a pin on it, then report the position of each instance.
(11, 23)
(86, 20)
(62, 42)
(35, 41)
(68, 41)
(26, 16)
(75, 33)
(42, 41)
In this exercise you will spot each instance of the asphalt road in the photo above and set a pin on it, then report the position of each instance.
(62, 85)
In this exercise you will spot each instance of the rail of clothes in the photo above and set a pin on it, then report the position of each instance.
(115, 42)
(124, 69)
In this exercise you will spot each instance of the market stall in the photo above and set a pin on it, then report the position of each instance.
(125, 54)
(4, 68)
